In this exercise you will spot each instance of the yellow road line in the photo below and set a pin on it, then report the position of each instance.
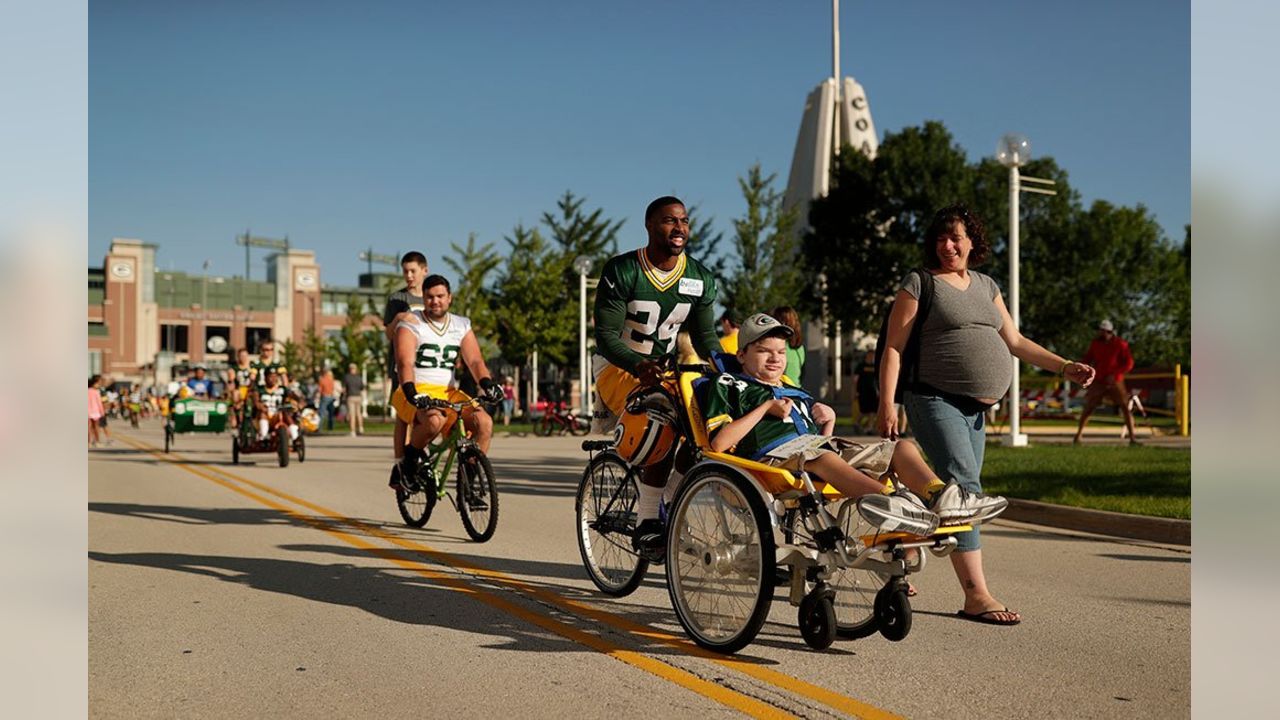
(792, 684)
(742, 703)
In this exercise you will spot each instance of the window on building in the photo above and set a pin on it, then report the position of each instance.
(255, 336)
(333, 307)
(174, 338)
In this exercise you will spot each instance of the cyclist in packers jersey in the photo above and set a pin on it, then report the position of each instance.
(240, 378)
(428, 345)
(267, 363)
(643, 299)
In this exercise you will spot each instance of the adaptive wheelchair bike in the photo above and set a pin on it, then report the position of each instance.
(246, 440)
(734, 530)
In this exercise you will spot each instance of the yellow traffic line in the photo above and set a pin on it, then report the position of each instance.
(791, 684)
(725, 696)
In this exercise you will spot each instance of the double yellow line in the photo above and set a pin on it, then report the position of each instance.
(331, 522)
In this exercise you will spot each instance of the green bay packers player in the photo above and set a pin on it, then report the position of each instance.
(240, 378)
(428, 345)
(644, 298)
(268, 363)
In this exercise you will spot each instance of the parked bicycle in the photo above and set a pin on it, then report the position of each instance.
(556, 421)
(476, 493)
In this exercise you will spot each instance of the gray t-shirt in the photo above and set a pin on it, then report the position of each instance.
(352, 385)
(961, 351)
(397, 302)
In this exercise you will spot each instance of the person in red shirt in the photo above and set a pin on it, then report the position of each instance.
(1109, 355)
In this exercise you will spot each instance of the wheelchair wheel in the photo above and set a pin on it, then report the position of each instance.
(415, 503)
(300, 445)
(893, 611)
(855, 588)
(477, 496)
(818, 619)
(282, 446)
(605, 509)
(720, 560)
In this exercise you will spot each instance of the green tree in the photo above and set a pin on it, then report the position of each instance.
(579, 233)
(532, 312)
(704, 244)
(473, 295)
(292, 357)
(354, 343)
(764, 270)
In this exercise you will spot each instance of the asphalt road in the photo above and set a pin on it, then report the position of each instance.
(249, 590)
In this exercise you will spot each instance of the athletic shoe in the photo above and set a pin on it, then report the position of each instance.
(650, 539)
(957, 506)
(893, 513)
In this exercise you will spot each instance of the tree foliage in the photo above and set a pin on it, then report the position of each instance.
(1077, 265)
(764, 270)
(532, 312)
(578, 233)
(473, 295)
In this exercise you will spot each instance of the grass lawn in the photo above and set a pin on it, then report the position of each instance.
(1140, 480)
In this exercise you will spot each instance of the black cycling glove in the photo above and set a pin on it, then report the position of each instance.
(492, 390)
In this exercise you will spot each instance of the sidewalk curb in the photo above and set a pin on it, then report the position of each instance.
(1102, 522)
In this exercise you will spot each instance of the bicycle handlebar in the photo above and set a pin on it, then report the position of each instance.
(438, 404)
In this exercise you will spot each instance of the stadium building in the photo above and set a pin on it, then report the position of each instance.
(144, 320)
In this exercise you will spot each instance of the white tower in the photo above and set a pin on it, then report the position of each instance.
(836, 114)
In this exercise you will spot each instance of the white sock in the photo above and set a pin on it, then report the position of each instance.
(262, 429)
(673, 484)
(647, 505)
(293, 432)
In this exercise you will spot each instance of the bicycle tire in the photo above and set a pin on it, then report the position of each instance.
(282, 446)
(542, 427)
(477, 495)
(605, 511)
(415, 504)
(578, 426)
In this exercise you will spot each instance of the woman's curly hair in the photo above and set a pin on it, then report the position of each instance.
(941, 225)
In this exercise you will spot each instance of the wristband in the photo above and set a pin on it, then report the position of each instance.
(1065, 365)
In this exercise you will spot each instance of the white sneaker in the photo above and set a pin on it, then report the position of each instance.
(955, 505)
(893, 513)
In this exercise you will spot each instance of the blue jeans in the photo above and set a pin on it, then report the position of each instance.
(954, 442)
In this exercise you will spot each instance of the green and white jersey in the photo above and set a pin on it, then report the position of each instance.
(732, 396)
(639, 308)
(264, 368)
(438, 346)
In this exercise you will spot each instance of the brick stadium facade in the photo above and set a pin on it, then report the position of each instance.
(142, 320)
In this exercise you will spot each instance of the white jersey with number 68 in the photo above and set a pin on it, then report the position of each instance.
(438, 345)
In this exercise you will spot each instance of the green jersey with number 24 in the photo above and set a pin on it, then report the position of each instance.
(639, 309)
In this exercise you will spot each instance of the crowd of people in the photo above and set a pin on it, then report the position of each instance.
(946, 359)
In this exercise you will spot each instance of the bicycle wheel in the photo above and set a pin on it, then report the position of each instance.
(282, 446)
(578, 426)
(477, 495)
(605, 509)
(235, 449)
(300, 445)
(855, 588)
(720, 560)
(415, 499)
(542, 426)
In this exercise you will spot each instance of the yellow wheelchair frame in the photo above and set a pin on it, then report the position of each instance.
(736, 527)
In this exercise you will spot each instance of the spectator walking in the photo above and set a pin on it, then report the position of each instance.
(1109, 355)
(353, 391)
(962, 368)
(328, 399)
(96, 411)
(508, 399)
(104, 399)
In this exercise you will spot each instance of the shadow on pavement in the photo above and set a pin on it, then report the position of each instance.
(1147, 558)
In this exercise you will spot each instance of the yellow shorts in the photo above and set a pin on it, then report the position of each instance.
(405, 409)
(613, 385)
(242, 393)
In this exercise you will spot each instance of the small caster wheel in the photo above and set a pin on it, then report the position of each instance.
(893, 612)
(818, 619)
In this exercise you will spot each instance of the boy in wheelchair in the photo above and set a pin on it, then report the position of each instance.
(755, 414)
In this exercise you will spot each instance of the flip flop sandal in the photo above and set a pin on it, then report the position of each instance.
(989, 617)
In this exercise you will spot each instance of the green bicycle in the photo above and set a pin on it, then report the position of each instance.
(476, 496)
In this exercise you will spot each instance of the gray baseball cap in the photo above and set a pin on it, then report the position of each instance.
(758, 326)
(1106, 325)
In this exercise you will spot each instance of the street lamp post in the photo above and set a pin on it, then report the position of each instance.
(1013, 151)
(583, 265)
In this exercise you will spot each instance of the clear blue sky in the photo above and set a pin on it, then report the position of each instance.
(408, 125)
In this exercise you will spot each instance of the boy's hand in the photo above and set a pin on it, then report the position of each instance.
(822, 414)
(780, 408)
